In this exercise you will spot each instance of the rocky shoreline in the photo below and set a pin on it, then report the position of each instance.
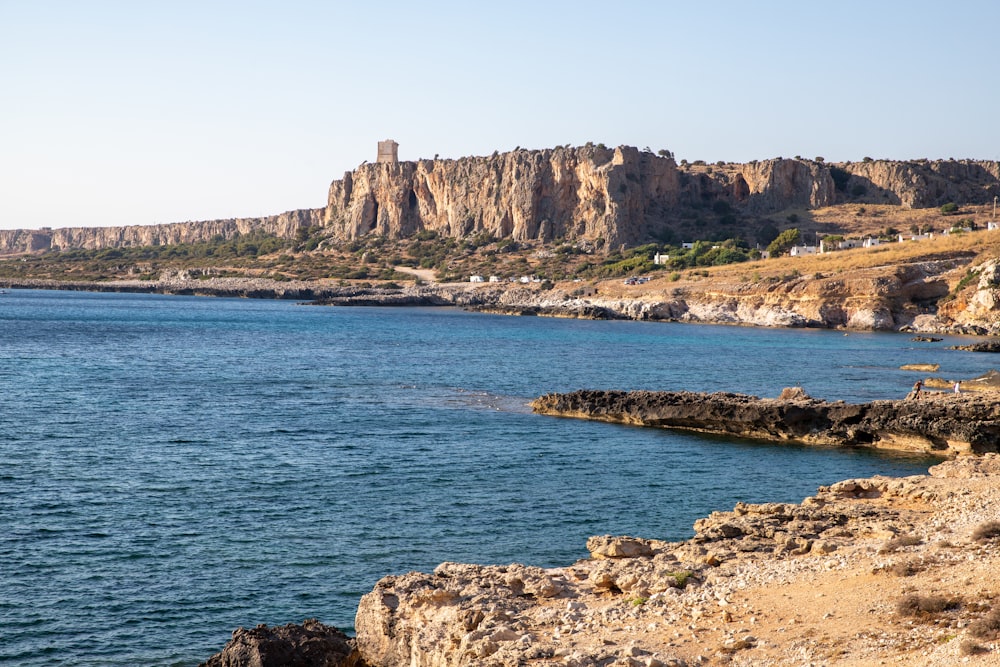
(867, 571)
(675, 305)
(935, 423)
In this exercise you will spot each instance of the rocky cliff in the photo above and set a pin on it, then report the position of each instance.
(284, 225)
(922, 183)
(624, 196)
(621, 195)
(591, 192)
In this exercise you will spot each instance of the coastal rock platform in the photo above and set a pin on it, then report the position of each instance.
(936, 423)
(866, 572)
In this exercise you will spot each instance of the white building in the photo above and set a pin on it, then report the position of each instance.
(660, 259)
(476, 279)
(871, 242)
(800, 250)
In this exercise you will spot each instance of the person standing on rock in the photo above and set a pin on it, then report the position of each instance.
(917, 388)
(958, 387)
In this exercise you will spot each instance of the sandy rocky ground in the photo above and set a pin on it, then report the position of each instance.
(881, 571)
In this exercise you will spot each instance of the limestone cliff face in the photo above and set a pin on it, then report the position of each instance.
(588, 192)
(922, 184)
(772, 185)
(978, 304)
(621, 195)
(285, 225)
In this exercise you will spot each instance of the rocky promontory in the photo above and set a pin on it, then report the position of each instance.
(936, 423)
(620, 195)
(866, 572)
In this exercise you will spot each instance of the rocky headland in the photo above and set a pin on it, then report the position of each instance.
(619, 195)
(866, 572)
(592, 201)
(936, 423)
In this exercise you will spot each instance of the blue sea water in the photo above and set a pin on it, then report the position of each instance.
(174, 467)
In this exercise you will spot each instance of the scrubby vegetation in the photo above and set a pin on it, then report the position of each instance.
(312, 254)
(925, 605)
(987, 531)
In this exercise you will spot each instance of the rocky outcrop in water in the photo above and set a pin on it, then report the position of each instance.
(311, 644)
(934, 423)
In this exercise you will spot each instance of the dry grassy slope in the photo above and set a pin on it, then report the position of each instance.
(903, 278)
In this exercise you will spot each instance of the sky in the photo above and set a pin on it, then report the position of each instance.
(116, 112)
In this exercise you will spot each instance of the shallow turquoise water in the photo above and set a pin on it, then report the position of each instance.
(174, 467)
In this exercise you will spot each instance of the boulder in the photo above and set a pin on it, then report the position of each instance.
(311, 644)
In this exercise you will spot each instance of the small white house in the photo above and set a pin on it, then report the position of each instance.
(800, 250)
(476, 279)
(915, 237)
(871, 242)
(660, 259)
(687, 246)
(992, 224)
(494, 279)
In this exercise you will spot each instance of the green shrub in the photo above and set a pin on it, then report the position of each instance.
(783, 243)
(681, 578)
(949, 209)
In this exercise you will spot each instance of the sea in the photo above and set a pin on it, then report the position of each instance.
(172, 467)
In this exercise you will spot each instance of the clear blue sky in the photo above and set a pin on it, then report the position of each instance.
(121, 112)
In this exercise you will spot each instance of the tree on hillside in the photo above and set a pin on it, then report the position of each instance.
(783, 243)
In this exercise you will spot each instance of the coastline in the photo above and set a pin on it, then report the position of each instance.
(867, 571)
(607, 302)
(939, 423)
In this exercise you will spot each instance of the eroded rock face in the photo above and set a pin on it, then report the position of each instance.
(921, 184)
(945, 424)
(285, 225)
(747, 583)
(459, 615)
(311, 644)
(585, 192)
(621, 195)
(978, 305)
(775, 184)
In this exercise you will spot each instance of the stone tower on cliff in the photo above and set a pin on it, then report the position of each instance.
(388, 151)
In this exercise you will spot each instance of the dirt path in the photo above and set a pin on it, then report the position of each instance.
(427, 275)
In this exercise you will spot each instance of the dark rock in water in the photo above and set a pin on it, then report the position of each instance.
(988, 346)
(926, 339)
(311, 644)
(931, 422)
